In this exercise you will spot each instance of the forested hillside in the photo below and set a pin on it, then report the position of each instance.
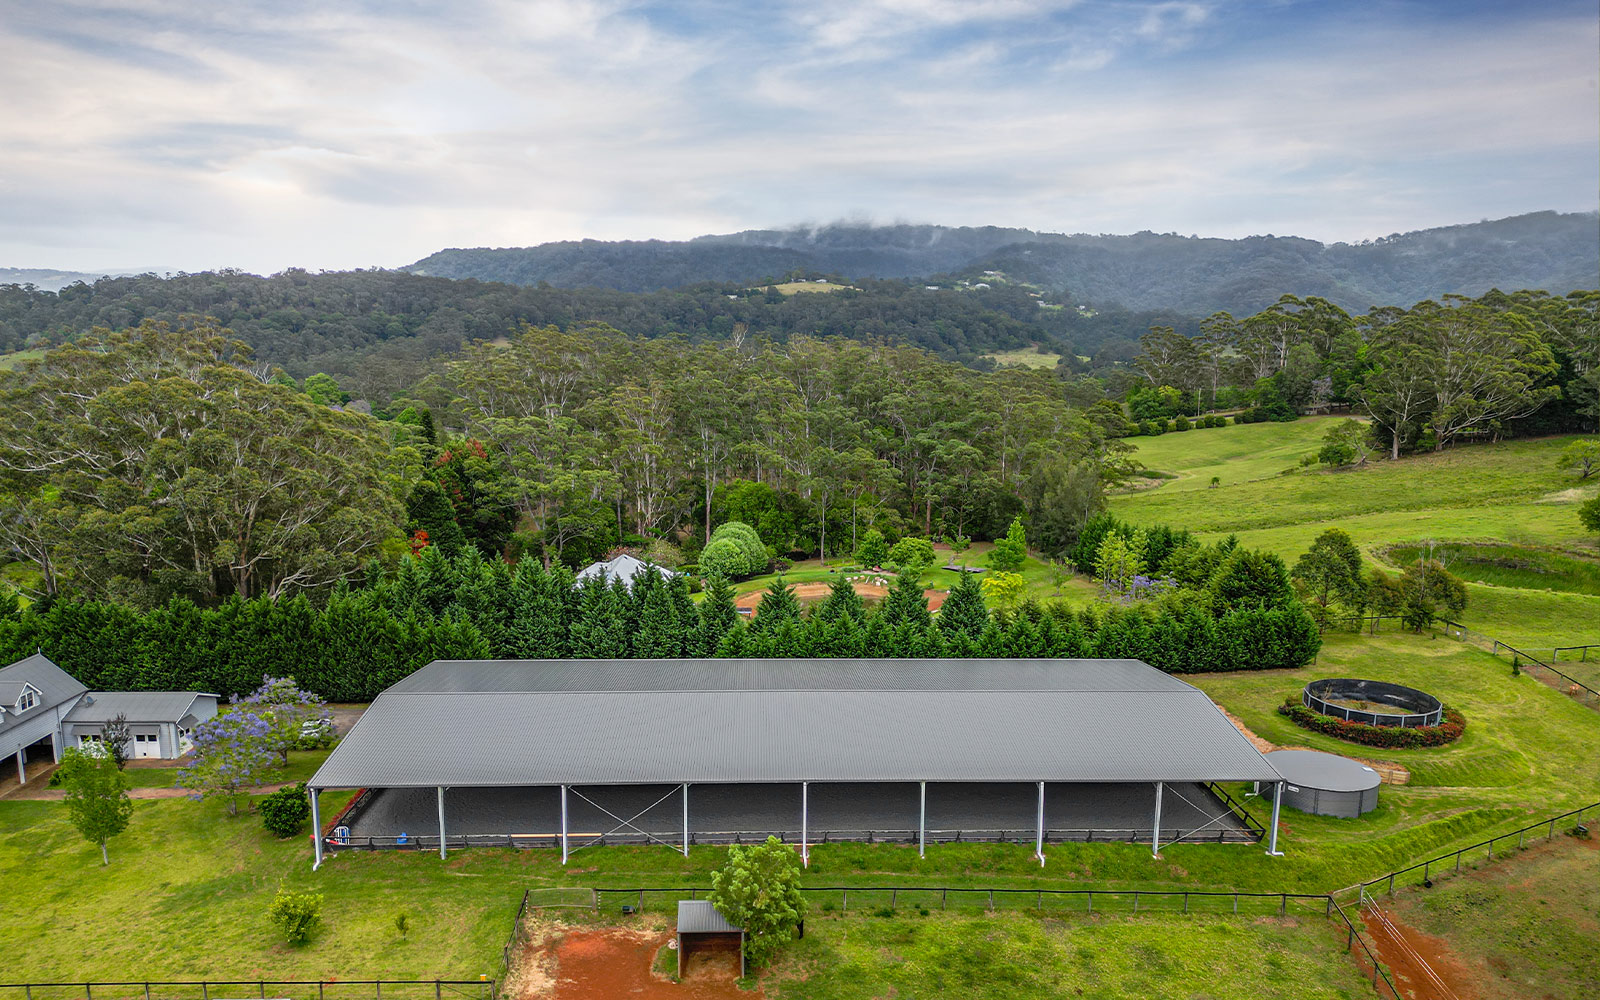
(372, 330)
(1558, 253)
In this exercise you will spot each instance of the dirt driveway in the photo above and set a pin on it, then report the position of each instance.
(814, 593)
(607, 963)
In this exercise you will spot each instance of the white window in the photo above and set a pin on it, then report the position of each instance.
(29, 699)
(88, 739)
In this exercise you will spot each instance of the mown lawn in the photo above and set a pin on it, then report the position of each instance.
(187, 891)
(1234, 454)
(1008, 955)
(1525, 926)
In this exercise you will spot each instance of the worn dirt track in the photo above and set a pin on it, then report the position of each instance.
(610, 963)
(811, 593)
(1421, 965)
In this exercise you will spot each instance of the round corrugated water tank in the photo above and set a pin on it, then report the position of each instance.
(1323, 783)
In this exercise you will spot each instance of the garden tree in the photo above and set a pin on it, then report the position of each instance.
(912, 557)
(286, 810)
(842, 602)
(1582, 457)
(1331, 570)
(873, 550)
(1120, 561)
(964, 612)
(296, 914)
(178, 470)
(758, 890)
(750, 553)
(232, 753)
(1010, 552)
(1251, 579)
(97, 796)
(117, 739)
(287, 713)
(1427, 584)
(778, 607)
(959, 544)
(1004, 590)
(906, 603)
(1061, 498)
(718, 615)
(1589, 514)
(1345, 443)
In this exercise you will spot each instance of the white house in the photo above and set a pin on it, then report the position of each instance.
(35, 695)
(623, 567)
(160, 723)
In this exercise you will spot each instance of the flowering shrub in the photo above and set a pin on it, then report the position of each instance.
(1447, 731)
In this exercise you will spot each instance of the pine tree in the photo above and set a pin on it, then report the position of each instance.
(597, 633)
(656, 634)
(436, 580)
(964, 611)
(842, 602)
(538, 624)
(906, 604)
(429, 510)
(718, 616)
(778, 605)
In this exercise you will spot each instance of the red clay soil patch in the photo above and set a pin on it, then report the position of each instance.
(812, 593)
(1422, 966)
(614, 963)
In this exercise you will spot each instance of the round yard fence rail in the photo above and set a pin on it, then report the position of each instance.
(1413, 708)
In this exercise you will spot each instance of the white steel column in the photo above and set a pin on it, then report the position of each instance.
(1038, 847)
(922, 822)
(441, 822)
(1272, 840)
(805, 819)
(316, 830)
(563, 824)
(686, 819)
(1155, 835)
(22, 768)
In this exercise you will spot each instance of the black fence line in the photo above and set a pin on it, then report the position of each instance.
(1585, 694)
(1555, 654)
(1354, 937)
(1548, 826)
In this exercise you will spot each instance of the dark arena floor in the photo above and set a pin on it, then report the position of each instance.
(531, 816)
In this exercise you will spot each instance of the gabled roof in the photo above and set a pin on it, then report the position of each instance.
(55, 686)
(623, 567)
(698, 916)
(135, 706)
(581, 722)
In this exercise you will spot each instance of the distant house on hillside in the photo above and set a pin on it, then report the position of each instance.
(624, 567)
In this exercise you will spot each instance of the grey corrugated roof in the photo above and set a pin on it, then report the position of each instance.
(55, 686)
(136, 706)
(697, 916)
(1329, 772)
(596, 722)
(622, 567)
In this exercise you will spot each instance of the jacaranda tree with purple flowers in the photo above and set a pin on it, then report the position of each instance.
(233, 752)
(292, 716)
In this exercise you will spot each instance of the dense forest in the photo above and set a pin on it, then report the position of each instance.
(1144, 271)
(375, 330)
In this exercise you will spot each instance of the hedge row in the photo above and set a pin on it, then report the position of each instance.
(1448, 731)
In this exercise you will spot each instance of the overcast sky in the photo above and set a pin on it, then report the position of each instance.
(339, 134)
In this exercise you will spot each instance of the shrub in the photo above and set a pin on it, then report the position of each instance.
(286, 810)
(296, 914)
(1448, 731)
(1181, 424)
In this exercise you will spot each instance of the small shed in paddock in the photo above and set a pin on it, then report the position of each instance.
(699, 921)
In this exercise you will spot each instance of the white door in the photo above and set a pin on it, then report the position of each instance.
(146, 745)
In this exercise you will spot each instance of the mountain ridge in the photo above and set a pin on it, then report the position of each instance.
(1144, 270)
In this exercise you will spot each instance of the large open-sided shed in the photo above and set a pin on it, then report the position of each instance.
(531, 752)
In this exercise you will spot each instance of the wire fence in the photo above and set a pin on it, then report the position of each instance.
(1555, 654)
(1532, 665)
(260, 989)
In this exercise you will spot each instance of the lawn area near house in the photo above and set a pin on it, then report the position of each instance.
(188, 865)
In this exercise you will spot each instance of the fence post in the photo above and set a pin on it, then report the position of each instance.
(261, 984)
(1186, 902)
(1425, 865)
(146, 991)
(1520, 835)
(1236, 902)
(1391, 883)
(1458, 862)
(991, 900)
(1283, 905)
(436, 989)
(1327, 911)
(641, 900)
(205, 992)
(894, 899)
(1350, 938)
(1091, 901)
(1552, 832)
(844, 900)
(942, 893)
(88, 991)
(1136, 900)
(319, 990)
(1491, 850)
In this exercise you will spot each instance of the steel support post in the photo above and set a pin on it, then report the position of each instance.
(922, 820)
(441, 822)
(805, 820)
(22, 768)
(686, 819)
(1038, 847)
(1155, 833)
(564, 852)
(1277, 804)
(316, 830)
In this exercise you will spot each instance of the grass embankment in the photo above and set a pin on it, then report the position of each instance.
(187, 890)
(1524, 927)
(1508, 493)
(1008, 955)
(1027, 357)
